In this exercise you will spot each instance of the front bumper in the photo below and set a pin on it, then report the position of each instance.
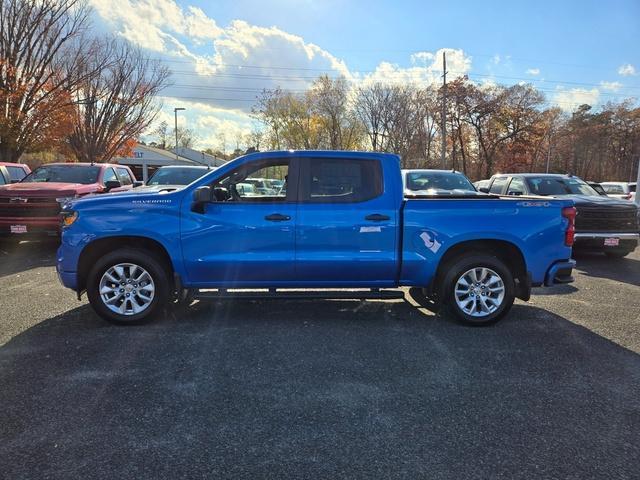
(31, 227)
(559, 273)
(595, 241)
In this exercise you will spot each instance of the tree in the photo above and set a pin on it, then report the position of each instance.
(118, 103)
(42, 61)
(162, 134)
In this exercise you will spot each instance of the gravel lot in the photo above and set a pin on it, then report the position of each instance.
(320, 389)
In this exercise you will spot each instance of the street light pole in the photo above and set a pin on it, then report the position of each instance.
(175, 113)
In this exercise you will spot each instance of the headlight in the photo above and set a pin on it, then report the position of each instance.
(68, 218)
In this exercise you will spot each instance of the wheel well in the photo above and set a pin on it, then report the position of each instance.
(96, 249)
(509, 253)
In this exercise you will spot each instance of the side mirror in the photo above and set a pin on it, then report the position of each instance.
(483, 190)
(203, 195)
(137, 184)
(111, 184)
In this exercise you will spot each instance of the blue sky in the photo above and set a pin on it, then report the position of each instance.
(223, 53)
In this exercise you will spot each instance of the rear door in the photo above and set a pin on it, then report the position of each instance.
(346, 228)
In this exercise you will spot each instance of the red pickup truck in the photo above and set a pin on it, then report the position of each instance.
(31, 207)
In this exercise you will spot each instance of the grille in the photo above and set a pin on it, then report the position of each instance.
(606, 220)
(33, 207)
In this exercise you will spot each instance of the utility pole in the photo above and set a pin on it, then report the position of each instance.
(444, 111)
(548, 153)
(175, 113)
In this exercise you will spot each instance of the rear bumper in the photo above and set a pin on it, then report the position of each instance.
(559, 273)
(595, 241)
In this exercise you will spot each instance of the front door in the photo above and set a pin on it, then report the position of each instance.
(247, 237)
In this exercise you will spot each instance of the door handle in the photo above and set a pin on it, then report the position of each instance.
(277, 217)
(376, 217)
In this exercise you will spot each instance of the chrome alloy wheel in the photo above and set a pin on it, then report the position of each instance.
(127, 289)
(479, 292)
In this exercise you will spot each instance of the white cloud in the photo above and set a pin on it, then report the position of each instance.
(570, 99)
(496, 59)
(533, 71)
(611, 86)
(430, 72)
(627, 70)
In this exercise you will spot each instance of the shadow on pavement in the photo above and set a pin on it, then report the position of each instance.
(17, 257)
(317, 389)
(625, 270)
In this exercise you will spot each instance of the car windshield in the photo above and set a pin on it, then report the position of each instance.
(84, 174)
(438, 180)
(559, 186)
(175, 176)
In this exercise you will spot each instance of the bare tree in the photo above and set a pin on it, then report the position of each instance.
(115, 106)
(162, 134)
(42, 61)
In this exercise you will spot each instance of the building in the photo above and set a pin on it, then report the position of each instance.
(200, 157)
(147, 160)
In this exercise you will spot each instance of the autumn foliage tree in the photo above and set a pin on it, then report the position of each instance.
(114, 106)
(42, 44)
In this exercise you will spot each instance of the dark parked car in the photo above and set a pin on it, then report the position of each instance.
(603, 224)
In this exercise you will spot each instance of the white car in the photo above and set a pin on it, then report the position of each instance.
(623, 190)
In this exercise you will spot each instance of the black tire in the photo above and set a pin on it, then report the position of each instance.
(143, 258)
(617, 253)
(463, 264)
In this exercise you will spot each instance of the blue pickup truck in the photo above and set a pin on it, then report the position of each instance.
(336, 220)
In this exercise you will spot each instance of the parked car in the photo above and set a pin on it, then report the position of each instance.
(343, 223)
(176, 176)
(13, 172)
(598, 188)
(623, 190)
(603, 224)
(436, 182)
(31, 208)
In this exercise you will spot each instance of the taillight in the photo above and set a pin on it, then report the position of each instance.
(627, 197)
(570, 214)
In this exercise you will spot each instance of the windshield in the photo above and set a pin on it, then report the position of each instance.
(64, 174)
(175, 176)
(559, 186)
(438, 181)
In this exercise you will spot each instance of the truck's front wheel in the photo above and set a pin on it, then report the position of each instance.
(479, 289)
(128, 286)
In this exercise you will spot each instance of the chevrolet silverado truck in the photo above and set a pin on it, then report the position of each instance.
(341, 221)
(603, 224)
(31, 207)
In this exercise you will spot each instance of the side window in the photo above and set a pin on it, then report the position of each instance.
(516, 187)
(123, 175)
(335, 180)
(3, 181)
(109, 176)
(498, 185)
(16, 173)
(262, 181)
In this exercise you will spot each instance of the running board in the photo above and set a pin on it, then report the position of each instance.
(301, 294)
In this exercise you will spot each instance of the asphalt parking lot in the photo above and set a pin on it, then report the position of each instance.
(320, 389)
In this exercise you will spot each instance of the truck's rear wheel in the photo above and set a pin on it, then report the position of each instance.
(479, 289)
(128, 286)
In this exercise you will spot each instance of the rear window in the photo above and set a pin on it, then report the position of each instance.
(343, 180)
(417, 181)
(17, 173)
(559, 186)
(64, 174)
(498, 185)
